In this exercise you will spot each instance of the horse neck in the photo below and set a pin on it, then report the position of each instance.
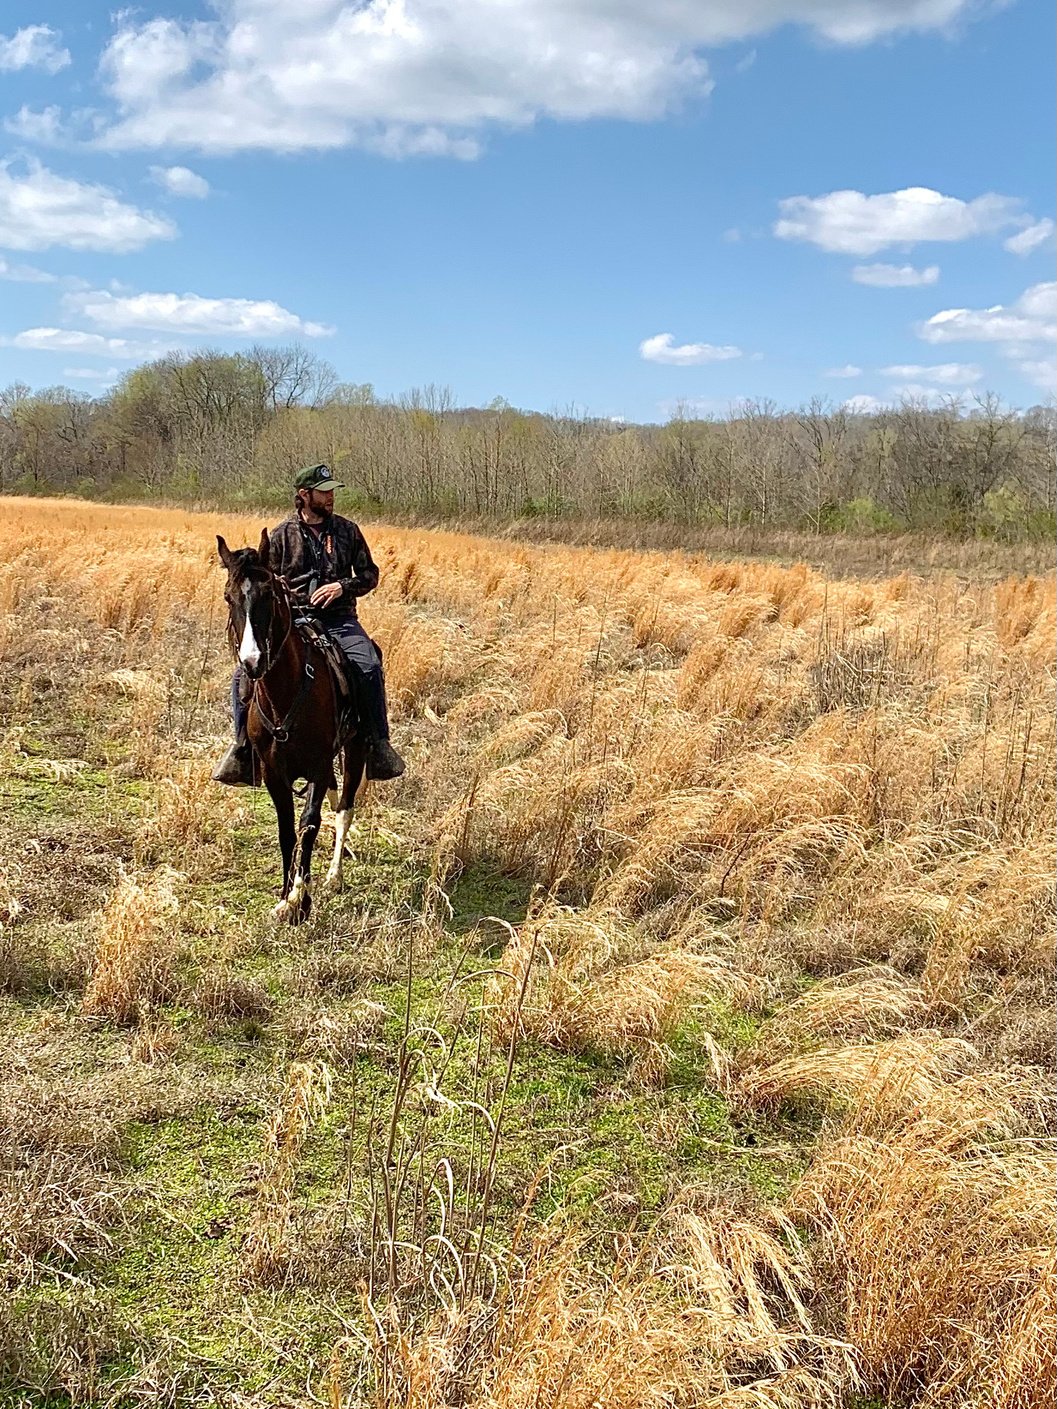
(286, 653)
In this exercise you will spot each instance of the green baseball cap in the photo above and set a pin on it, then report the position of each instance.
(316, 477)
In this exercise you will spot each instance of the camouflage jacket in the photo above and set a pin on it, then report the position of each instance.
(338, 553)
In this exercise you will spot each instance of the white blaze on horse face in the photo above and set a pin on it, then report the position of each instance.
(249, 651)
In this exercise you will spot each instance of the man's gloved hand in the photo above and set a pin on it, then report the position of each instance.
(327, 594)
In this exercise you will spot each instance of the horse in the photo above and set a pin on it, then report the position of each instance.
(293, 721)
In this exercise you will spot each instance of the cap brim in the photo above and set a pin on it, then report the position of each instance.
(325, 488)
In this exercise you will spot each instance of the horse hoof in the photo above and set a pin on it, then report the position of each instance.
(334, 882)
(295, 907)
(287, 914)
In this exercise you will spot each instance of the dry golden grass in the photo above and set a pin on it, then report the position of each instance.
(302, 1103)
(933, 1205)
(860, 1004)
(189, 824)
(61, 1150)
(225, 995)
(133, 969)
(878, 1086)
(652, 725)
(57, 1194)
(734, 776)
(705, 1311)
(940, 1258)
(566, 979)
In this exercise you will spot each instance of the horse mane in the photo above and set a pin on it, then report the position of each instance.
(245, 561)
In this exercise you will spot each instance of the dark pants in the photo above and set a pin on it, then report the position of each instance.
(367, 678)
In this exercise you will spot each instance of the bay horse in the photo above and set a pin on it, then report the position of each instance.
(293, 721)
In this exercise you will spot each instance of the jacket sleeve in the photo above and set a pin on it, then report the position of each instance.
(279, 554)
(364, 575)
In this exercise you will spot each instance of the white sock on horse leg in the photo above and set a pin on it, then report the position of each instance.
(298, 890)
(341, 831)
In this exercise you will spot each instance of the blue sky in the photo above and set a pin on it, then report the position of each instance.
(599, 203)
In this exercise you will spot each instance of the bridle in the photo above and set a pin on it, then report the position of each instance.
(281, 732)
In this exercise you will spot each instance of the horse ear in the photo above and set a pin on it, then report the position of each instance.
(225, 552)
(263, 548)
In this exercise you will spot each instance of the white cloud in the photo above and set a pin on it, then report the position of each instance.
(36, 46)
(929, 395)
(1031, 237)
(862, 405)
(849, 222)
(939, 374)
(663, 348)
(92, 374)
(693, 408)
(24, 273)
(406, 76)
(1032, 318)
(848, 370)
(44, 126)
(181, 181)
(68, 340)
(192, 314)
(39, 210)
(1040, 371)
(895, 276)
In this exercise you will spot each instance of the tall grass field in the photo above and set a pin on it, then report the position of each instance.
(681, 1037)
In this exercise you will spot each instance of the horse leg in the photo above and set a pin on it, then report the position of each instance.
(282, 798)
(355, 755)
(299, 899)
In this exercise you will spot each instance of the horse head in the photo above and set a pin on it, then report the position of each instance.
(255, 604)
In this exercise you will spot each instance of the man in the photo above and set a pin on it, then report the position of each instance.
(326, 563)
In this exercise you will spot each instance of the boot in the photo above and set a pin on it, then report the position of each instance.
(236, 767)
(383, 761)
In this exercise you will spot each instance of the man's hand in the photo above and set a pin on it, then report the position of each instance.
(329, 592)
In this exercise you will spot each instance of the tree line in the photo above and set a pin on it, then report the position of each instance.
(231, 429)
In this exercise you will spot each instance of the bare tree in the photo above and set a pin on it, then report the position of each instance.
(234, 425)
(293, 376)
(822, 430)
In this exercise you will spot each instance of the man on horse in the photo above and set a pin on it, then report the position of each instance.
(326, 564)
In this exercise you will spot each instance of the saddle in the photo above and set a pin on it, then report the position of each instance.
(314, 633)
